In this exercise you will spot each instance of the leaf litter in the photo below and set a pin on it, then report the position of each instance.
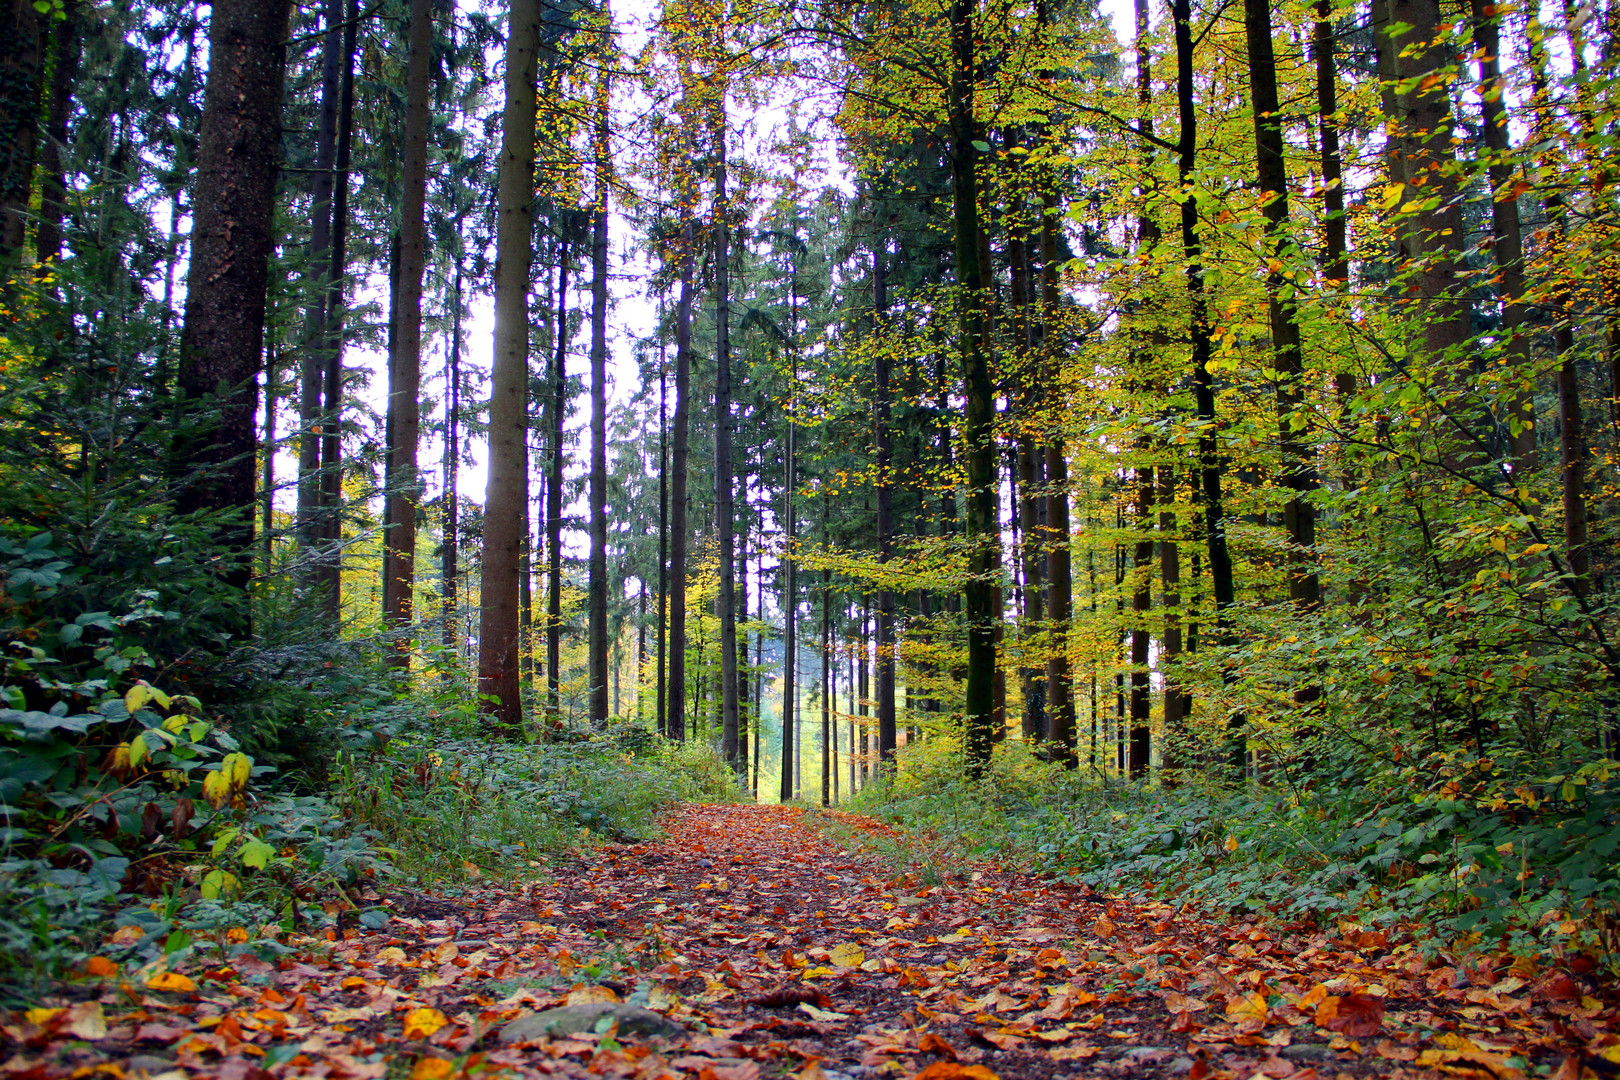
(778, 954)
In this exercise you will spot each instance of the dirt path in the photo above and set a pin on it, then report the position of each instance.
(779, 953)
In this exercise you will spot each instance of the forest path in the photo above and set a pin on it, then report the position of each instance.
(780, 954)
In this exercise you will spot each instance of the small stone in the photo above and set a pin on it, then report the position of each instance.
(150, 1064)
(1180, 1066)
(1145, 1055)
(575, 1019)
(1306, 1052)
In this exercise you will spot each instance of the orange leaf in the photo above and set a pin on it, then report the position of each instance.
(432, 1068)
(100, 967)
(170, 980)
(1356, 1016)
(950, 1070)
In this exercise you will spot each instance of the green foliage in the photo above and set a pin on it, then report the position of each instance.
(450, 805)
(1469, 847)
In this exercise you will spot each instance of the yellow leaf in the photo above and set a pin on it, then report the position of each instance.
(816, 972)
(1500, 544)
(1248, 1007)
(137, 696)
(170, 980)
(1231, 843)
(432, 1068)
(41, 1017)
(421, 1023)
(1392, 195)
(848, 955)
(239, 767)
(216, 788)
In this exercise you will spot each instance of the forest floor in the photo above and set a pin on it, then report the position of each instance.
(760, 950)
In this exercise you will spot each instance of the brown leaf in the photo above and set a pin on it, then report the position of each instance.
(933, 1044)
(789, 995)
(1355, 1016)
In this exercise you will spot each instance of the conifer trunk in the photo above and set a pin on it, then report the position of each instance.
(557, 410)
(1060, 720)
(598, 571)
(507, 497)
(234, 204)
(887, 736)
(328, 574)
(405, 359)
(676, 708)
(312, 361)
(724, 508)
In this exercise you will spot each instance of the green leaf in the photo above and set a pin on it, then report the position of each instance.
(981, 146)
(257, 854)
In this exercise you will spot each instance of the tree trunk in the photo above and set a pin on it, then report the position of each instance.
(507, 499)
(21, 50)
(1299, 471)
(1507, 247)
(826, 702)
(554, 492)
(451, 565)
(677, 493)
(790, 603)
(1336, 251)
(328, 577)
(979, 393)
(66, 46)
(1170, 574)
(663, 534)
(598, 574)
(1141, 737)
(887, 736)
(724, 511)
(234, 205)
(1413, 65)
(312, 365)
(1060, 721)
(1210, 464)
(405, 360)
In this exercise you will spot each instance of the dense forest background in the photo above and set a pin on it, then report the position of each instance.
(1185, 456)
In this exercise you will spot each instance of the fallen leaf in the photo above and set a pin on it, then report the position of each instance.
(847, 955)
(1354, 1015)
(950, 1070)
(432, 1068)
(1248, 1007)
(172, 981)
(422, 1023)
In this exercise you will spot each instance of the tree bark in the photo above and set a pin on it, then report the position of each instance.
(1209, 458)
(1060, 721)
(1507, 247)
(1336, 251)
(21, 50)
(676, 708)
(724, 510)
(1299, 471)
(327, 578)
(598, 573)
(66, 45)
(234, 205)
(507, 497)
(888, 739)
(790, 603)
(558, 413)
(663, 534)
(312, 363)
(979, 393)
(451, 565)
(405, 360)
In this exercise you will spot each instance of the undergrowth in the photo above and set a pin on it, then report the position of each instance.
(1470, 852)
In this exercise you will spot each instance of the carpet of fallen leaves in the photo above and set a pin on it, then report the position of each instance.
(782, 955)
